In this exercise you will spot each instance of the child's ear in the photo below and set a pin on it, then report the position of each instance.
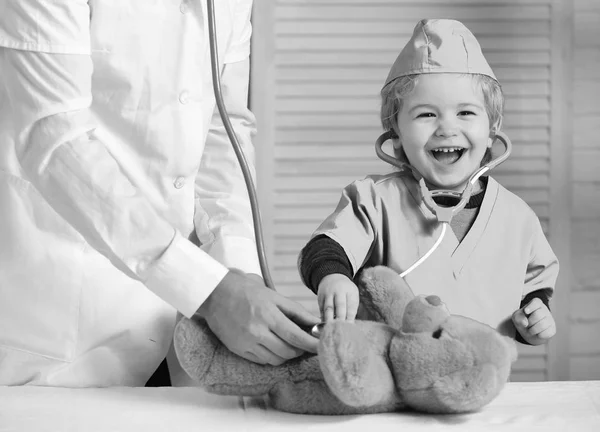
(494, 130)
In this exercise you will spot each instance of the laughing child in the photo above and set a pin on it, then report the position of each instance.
(444, 105)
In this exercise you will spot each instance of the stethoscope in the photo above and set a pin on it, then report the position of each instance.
(443, 214)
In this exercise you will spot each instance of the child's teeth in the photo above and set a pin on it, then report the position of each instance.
(446, 150)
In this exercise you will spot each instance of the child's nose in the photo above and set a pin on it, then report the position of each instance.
(447, 127)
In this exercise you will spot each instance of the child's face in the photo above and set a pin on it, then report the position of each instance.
(445, 129)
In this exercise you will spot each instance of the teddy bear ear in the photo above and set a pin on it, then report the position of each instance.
(463, 391)
(383, 295)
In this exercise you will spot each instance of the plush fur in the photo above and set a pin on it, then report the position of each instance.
(409, 353)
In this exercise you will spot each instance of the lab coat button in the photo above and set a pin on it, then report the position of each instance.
(179, 182)
(183, 8)
(184, 97)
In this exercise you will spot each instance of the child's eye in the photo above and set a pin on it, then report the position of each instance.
(465, 113)
(426, 115)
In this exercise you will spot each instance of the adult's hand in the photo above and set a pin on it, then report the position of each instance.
(257, 323)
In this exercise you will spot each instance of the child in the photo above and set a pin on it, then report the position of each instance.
(444, 104)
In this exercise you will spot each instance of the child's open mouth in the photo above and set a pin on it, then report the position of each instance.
(447, 155)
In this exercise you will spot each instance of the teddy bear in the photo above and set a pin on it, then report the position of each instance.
(406, 352)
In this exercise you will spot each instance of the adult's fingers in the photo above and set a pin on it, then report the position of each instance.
(296, 312)
(252, 357)
(279, 347)
(290, 332)
(266, 356)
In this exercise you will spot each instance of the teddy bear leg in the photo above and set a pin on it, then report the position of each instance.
(353, 358)
(218, 370)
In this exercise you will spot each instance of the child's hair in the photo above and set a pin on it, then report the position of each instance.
(392, 97)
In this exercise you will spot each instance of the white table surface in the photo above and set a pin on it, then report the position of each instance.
(529, 407)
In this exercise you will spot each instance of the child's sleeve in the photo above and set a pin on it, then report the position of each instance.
(542, 270)
(348, 234)
(321, 257)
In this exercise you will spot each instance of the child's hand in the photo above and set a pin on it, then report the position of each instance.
(338, 298)
(535, 322)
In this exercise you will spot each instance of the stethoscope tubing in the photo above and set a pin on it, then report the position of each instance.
(216, 78)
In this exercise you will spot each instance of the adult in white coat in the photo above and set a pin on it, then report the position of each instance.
(112, 157)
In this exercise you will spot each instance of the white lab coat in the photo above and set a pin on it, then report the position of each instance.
(111, 155)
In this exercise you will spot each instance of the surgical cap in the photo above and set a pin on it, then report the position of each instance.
(440, 46)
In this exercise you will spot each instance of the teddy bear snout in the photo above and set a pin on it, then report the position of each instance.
(433, 300)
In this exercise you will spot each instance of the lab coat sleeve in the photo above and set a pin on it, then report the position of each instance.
(47, 91)
(543, 267)
(353, 224)
(223, 217)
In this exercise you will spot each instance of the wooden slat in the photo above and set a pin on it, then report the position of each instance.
(368, 134)
(359, 167)
(528, 376)
(584, 367)
(356, 43)
(353, 103)
(503, 63)
(587, 95)
(586, 28)
(581, 6)
(586, 131)
(409, 12)
(586, 165)
(356, 120)
(584, 307)
(586, 61)
(325, 182)
(328, 199)
(394, 29)
(314, 87)
(583, 338)
(586, 201)
(586, 270)
(422, 2)
(529, 362)
(586, 236)
(361, 150)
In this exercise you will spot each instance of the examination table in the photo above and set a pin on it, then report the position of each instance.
(541, 406)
